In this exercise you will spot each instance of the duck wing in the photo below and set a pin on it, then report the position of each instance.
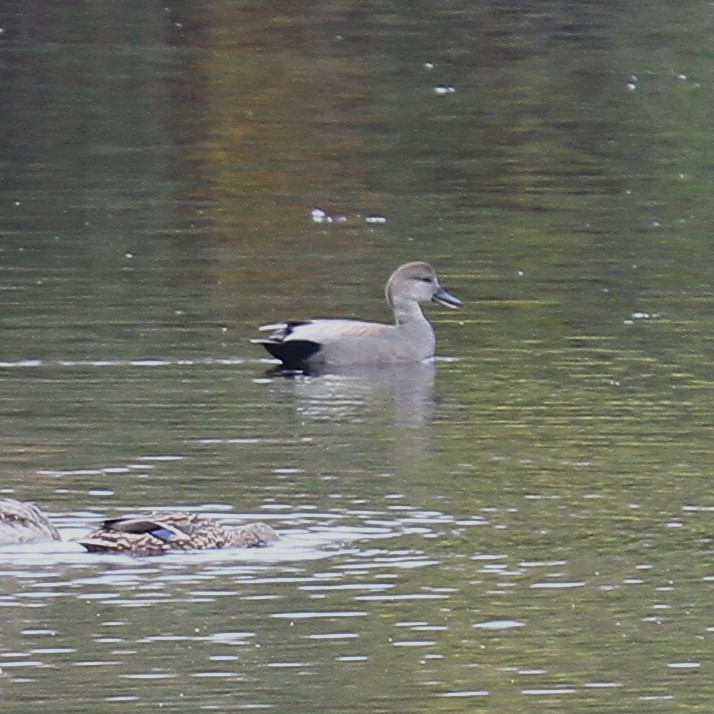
(295, 342)
(149, 534)
(164, 528)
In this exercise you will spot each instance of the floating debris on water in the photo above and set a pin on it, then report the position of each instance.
(317, 215)
(641, 315)
(444, 89)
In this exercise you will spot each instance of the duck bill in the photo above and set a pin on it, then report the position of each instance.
(446, 299)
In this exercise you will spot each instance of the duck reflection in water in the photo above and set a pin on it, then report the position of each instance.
(405, 391)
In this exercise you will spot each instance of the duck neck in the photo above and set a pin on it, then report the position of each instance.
(407, 311)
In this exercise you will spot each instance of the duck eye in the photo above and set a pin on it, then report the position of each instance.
(425, 279)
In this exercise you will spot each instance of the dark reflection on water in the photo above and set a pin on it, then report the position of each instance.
(524, 524)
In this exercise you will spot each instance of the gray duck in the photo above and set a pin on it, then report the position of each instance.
(345, 342)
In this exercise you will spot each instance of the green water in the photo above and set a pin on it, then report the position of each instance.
(523, 526)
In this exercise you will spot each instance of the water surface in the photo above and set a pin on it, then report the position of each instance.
(523, 525)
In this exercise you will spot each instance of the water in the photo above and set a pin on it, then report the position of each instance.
(523, 525)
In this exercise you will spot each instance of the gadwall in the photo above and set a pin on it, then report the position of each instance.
(157, 533)
(337, 343)
(24, 522)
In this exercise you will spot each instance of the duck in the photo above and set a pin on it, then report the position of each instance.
(24, 522)
(329, 342)
(156, 533)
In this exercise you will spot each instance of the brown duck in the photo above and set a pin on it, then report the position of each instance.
(24, 522)
(157, 533)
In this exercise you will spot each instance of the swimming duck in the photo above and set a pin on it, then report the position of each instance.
(157, 533)
(24, 522)
(338, 343)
